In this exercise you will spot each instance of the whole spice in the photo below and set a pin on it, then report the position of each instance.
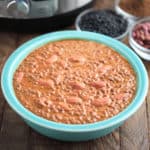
(139, 8)
(106, 22)
(141, 34)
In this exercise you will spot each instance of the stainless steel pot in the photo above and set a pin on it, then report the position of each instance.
(69, 5)
(38, 8)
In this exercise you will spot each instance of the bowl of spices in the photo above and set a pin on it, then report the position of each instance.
(133, 9)
(106, 22)
(139, 37)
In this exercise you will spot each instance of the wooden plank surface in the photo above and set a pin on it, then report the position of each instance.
(147, 64)
(14, 133)
(7, 44)
(12, 128)
(134, 134)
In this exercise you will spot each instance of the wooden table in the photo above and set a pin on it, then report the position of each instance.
(134, 134)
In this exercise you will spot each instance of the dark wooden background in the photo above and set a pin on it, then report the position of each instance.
(134, 134)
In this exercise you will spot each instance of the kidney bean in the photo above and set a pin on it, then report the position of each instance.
(98, 84)
(85, 97)
(77, 113)
(77, 59)
(101, 101)
(49, 110)
(59, 52)
(59, 79)
(47, 115)
(59, 117)
(77, 85)
(39, 57)
(122, 105)
(54, 118)
(19, 76)
(104, 68)
(120, 97)
(46, 82)
(94, 114)
(44, 102)
(64, 64)
(52, 59)
(74, 100)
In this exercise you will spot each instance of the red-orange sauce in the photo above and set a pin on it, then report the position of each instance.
(75, 82)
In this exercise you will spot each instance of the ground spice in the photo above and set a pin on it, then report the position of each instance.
(105, 22)
(139, 8)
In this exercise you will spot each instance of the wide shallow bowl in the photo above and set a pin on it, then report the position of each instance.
(140, 50)
(68, 132)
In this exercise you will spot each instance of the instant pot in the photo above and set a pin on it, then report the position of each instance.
(31, 15)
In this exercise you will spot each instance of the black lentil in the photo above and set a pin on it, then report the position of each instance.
(106, 22)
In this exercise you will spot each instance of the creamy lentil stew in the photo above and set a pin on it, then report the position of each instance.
(75, 82)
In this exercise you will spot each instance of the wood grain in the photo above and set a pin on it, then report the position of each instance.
(108, 142)
(12, 129)
(148, 101)
(133, 134)
(7, 44)
(39, 142)
(14, 133)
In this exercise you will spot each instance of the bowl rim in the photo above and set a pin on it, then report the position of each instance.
(143, 55)
(130, 16)
(138, 46)
(20, 53)
(120, 37)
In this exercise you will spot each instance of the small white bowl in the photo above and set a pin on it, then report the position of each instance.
(140, 50)
(119, 10)
(77, 21)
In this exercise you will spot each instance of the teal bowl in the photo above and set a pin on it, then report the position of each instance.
(67, 132)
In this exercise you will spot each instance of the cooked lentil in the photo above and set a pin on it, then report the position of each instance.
(75, 82)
